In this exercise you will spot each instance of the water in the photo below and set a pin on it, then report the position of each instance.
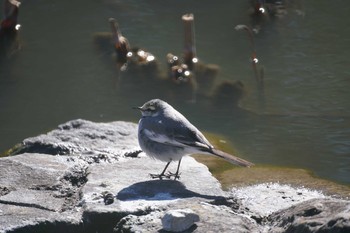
(302, 119)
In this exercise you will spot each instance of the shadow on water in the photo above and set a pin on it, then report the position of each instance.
(159, 190)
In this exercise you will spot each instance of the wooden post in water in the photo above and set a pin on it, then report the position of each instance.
(189, 55)
(259, 75)
(9, 23)
(9, 28)
(121, 44)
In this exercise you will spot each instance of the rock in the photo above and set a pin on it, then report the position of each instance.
(316, 215)
(264, 199)
(91, 177)
(37, 192)
(179, 220)
(145, 223)
(41, 187)
(93, 142)
(138, 197)
(213, 218)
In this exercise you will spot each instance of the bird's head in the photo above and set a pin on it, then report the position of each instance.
(152, 108)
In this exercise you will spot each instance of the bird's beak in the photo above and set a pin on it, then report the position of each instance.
(139, 108)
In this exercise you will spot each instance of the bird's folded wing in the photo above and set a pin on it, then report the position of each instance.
(187, 139)
(193, 142)
(161, 138)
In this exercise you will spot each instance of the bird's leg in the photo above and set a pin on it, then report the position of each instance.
(161, 175)
(176, 175)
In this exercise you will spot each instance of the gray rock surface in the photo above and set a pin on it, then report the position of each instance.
(313, 216)
(92, 142)
(214, 215)
(38, 188)
(271, 197)
(91, 177)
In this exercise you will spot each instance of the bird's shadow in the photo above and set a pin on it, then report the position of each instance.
(159, 190)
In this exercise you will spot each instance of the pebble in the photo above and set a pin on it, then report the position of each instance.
(179, 220)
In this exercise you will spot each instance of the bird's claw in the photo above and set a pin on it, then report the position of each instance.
(175, 175)
(157, 176)
(169, 175)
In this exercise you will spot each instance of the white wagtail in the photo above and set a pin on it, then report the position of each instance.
(165, 134)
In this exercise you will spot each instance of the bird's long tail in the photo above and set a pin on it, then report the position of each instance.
(231, 158)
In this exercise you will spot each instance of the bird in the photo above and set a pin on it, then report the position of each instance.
(165, 134)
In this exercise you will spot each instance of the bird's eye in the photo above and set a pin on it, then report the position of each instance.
(151, 108)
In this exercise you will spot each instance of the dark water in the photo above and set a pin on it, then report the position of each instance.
(301, 119)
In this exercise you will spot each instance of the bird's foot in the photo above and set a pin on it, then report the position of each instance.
(168, 175)
(159, 176)
(175, 175)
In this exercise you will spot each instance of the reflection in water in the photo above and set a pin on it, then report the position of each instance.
(186, 78)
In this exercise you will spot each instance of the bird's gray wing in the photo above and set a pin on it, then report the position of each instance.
(194, 138)
(161, 137)
(178, 134)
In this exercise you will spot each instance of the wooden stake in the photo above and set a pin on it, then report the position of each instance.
(189, 55)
